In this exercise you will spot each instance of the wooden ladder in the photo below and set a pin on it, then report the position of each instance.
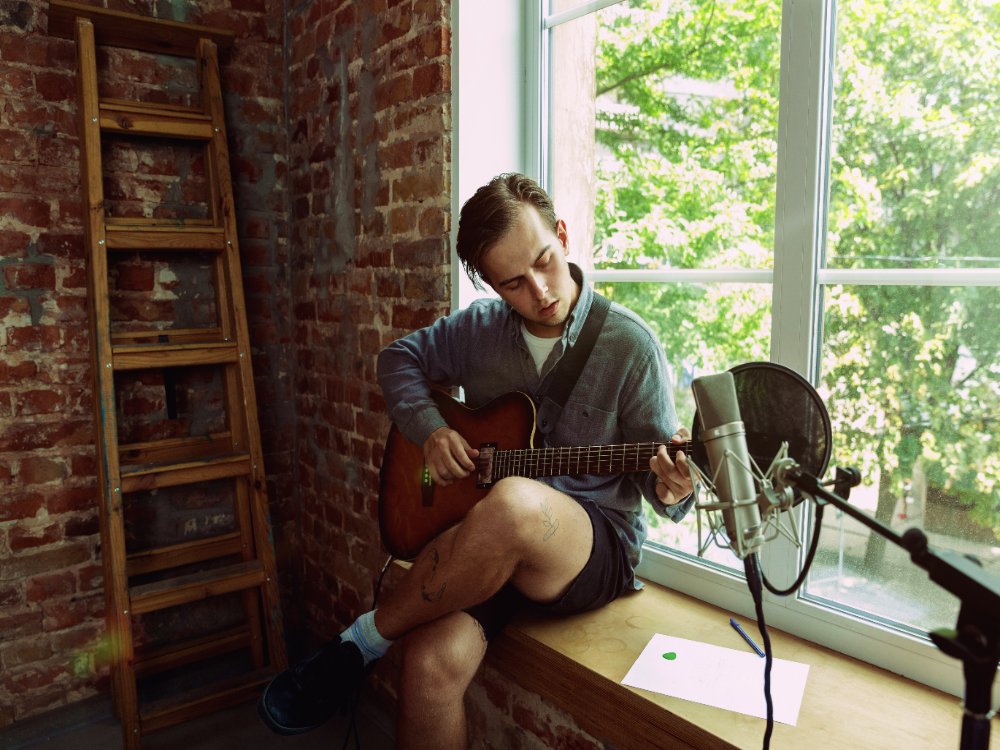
(137, 582)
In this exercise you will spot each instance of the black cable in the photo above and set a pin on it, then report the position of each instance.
(817, 527)
(378, 583)
(751, 567)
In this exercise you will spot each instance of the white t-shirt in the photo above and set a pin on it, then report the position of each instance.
(539, 347)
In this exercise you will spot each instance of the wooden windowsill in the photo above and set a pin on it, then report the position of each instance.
(577, 664)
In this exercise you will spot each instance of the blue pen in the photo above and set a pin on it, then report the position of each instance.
(746, 638)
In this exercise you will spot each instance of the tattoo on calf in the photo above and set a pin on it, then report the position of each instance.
(427, 593)
(550, 522)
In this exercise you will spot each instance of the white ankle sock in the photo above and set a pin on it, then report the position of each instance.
(366, 637)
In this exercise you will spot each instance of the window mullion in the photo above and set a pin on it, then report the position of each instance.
(803, 121)
(803, 124)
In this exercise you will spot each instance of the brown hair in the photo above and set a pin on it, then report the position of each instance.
(492, 212)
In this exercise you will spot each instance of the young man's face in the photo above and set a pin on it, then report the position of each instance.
(528, 269)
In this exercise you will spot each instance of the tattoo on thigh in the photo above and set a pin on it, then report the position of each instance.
(550, 522)
(427, 592)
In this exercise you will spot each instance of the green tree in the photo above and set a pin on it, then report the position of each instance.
(686, 133)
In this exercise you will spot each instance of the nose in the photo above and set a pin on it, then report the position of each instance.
(538, 286)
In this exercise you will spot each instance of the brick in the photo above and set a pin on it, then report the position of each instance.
(40, 401)
(91, 577)
(411, 317)
(23, 680)
(11, 374)
(30, 211)
(30, 535)
(64, 499)
(60, 614)
(84, 638)
(16, 147)
(22, 276)
(34, 338)
(61, 244)
(50, 585)
(434, 221)
(15, 82)
(82, 526)
(419, 185)
(430, 252)
(30, 50)
(11, 595)
(30, 564)
(25, 651)
(134, 278)
(434, 78)
(396, 90)
(14, 506)
(19, 624)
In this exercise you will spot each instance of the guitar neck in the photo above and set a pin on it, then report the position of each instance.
(592, 459)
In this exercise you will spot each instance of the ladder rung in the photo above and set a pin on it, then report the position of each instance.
(173, 450)
(170, 592)
(140, 237)
(186, 706)
(146, 356)
(191, 650)
(152, 476)
(162, 558)
(137, 118)
(119, 29)
(142, 222)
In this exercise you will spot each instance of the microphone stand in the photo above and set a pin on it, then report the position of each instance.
(976, 638)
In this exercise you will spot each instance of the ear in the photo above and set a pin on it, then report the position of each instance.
(563, 236)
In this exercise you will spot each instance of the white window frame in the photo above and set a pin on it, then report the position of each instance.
(797, 280)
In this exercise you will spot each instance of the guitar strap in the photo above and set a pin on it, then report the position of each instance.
(565, 375)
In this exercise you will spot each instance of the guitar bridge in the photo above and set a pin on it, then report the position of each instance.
(484, 471)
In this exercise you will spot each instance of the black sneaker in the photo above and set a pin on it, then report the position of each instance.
(306, 695)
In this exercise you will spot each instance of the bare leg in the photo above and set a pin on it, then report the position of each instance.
(523, 531)
(439, 661)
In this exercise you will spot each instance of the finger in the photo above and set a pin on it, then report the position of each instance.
(661, 463)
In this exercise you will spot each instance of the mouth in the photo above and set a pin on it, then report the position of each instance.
(549, 310)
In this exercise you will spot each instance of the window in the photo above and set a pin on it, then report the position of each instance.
(815, 185)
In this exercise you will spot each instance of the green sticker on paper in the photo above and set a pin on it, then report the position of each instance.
(670, 655)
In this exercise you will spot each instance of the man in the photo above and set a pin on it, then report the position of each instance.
(560, 545)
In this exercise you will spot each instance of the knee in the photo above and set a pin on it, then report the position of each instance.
(439, 663)
(508, 502)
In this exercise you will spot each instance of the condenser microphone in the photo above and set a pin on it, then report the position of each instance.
(724, 438)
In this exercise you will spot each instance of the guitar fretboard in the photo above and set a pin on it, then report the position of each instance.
(593, 459)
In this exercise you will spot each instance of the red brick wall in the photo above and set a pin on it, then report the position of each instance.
(369, 156)
(51, 601)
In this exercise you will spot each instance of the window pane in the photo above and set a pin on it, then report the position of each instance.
(915, 169)
(662, 128)
(911, 377)
(703, 329)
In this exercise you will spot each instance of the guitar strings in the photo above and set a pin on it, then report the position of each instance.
(602, 459)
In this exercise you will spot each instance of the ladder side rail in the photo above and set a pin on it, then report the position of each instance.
(105, 417)
(211, 89)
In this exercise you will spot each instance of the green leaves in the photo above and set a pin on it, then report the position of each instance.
(687, 127)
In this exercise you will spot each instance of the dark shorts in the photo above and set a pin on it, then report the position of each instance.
(606, 575)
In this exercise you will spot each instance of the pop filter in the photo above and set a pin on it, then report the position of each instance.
(777, 405)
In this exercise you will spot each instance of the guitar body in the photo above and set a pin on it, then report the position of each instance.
(413, 509)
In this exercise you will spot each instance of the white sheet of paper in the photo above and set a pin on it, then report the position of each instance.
(721, 677)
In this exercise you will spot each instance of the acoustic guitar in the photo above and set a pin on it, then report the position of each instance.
(413, 509)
